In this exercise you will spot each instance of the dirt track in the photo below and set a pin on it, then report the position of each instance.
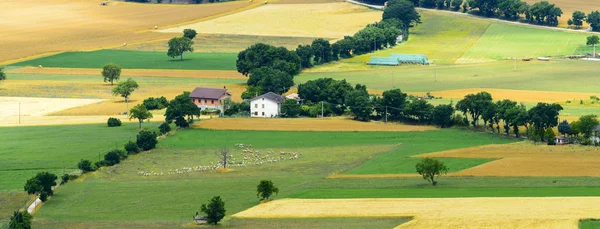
(38, 27)
(530, 212)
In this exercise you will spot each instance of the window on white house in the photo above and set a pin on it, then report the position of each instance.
(263, 106)
(263, 113)
(256, 105)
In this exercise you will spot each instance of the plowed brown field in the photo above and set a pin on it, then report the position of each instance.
(530, 212)
(31, 27)
(304, 124)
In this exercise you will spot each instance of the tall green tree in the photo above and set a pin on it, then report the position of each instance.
(125, 89)
(430, 169)
(41, 184)
(180, 45)
(503, 106)
(214, 210)
(140, 113)
(578, 18)
(475, 105)
(321, 50)
(564, 128)
(587, 124)
(485, 7)
(360, 104)
(305, 53)
(290, 108)
(20, 220)
(271, 80)
(593, 41)
(146, 140)
(594, 20)
(455, 4)
(420, 110)
(263, 55)
(402, 10)
(189, 33)
(544, 116)
(111, 73)
(182, 110)
(346, 46)
(442, 115)
(265, 189)
(512, 9)
(395, 101)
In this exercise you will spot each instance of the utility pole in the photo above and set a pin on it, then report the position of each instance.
(19, 112)
(322, 117)
(386, 114)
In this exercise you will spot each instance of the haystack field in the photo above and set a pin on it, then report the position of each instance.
(531, 212)
(304, 124)
(40, 27)
(331, 20)
(527, 159)
(170, 73)
(516, 95)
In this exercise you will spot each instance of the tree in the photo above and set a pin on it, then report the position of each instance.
(455, 5)
(132, 148)
(41, 184)
(321, 50)
(140, 113)
(290, 108)
(112, 122)
(587, 124)
(111, 73)
(544, 13)
(544, 116)
(189, 33)
(180, 108)
(263, 55)
(564, 128)
(360, 104)
(578, 18)
(515, 116)
(395, 101)
(85, 166)
(125, 89)
(593, 41)
(224, 157)
(502, 107)
(328, 90)
(475, 105)
(488, 115)
(113, 157)
(420, 110)
(2, 74)
(20, 220)
(271, 80)
(164, 128)
(402, 10)
(594, 20)
(511, 9)
(346, 46)
(430, 168)
(251, 92)
(442, 115)
(265, 189)
(486, 7)
(215, 210)
(550, 136)
(305, 53)
(146, 140)
(178, 46)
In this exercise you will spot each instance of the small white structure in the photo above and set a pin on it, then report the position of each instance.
(266, 106)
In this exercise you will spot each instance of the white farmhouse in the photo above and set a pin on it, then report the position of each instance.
(266, 106)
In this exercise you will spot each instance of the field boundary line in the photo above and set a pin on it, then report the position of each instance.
(473, 44)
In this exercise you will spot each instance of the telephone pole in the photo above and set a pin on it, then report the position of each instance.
(386, 114)
(322, 117)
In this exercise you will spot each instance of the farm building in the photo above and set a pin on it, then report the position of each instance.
(294, 96)
(209, 98)
(398, 59)
(266, 106)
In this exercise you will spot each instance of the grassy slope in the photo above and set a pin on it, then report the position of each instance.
(10, 202)
(442, 37)
(502, 41)
(136, 60)
(589, 224)
(28, 150)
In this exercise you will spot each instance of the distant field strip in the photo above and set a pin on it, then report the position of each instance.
(304, 124)
(544, 212)
(13, 106)
(442, 37)
(503, 41)
(210, 74)
(526, 159)
(331, 20)
(136, 60)
(517, 95)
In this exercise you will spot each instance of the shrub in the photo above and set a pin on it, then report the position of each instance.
(210, 111)
(146, 140)
(67, 177)
(113, 157)
(112, 122)
(156, 103)
(20, 220)
(85, 166)
(215, 210)
(132, 148)
(265, 189)
(164, 128)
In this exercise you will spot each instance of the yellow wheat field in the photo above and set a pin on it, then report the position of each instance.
(529, 212)
(328, 20)
(38, 27)
(304, 124)
(526, 159)
(167, 73)
(517, 95)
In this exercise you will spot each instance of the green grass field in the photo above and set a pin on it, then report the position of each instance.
(136, 60)
(502, 41)
(442, 37)
(589, 224)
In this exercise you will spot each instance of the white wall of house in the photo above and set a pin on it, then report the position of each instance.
(264, 108)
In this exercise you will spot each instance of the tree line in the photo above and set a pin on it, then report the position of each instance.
(272, 69)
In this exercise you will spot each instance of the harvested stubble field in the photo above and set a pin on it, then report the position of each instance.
(331, 20)
(167, 73)
(569, 6)
(526, 159)
(83, 24)
(13, 106)
(546, 212)
(516, 95)
(304, 124)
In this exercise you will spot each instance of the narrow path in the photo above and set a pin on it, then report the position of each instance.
(475, 16)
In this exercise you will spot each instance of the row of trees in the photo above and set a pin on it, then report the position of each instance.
(272, 69)
(581, 130)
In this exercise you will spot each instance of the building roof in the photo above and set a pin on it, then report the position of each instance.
(293, 96)
(208, 93)
(271, 96)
